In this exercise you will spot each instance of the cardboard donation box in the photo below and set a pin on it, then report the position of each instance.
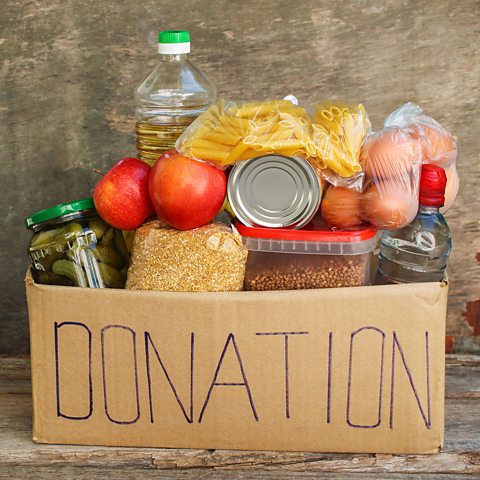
(337, 370)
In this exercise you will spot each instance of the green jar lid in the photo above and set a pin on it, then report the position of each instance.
(173, 36)
(58, 211)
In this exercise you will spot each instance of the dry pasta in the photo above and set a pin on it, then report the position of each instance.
(338, 131)
(230, 132)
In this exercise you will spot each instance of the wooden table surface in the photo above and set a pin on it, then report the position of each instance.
(68, 69)
(20, 458)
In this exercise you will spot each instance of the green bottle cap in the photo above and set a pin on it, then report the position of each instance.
(174, 36)
(58, 211)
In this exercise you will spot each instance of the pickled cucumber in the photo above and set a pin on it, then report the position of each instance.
(73, 255)
(128, 236)
(71, 229)
(57, 237)
(108, 237)
(48, 260)
(108, 255)
(111, 276)
(42, 239)
(99, 227)
(121, 246)
(66, 233)
(50, 278)
(70, 270)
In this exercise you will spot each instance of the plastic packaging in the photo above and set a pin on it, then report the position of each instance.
(229, 132)
(281, 259)
(374, 177)
(338, 132)
(233, 131)
(170, 98)
(385, 192)
(72, 246)
(419, 252)
(438, 145)
(205, 259)
(392, 160)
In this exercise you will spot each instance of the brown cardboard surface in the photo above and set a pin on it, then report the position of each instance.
(298, 370)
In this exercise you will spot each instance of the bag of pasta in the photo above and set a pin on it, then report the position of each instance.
(338, 130)
(232, 131)
(438, 145)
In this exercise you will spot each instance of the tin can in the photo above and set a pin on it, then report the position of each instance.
(274, 191)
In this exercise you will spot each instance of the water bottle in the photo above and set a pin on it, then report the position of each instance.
(419, 252)
(170, 98)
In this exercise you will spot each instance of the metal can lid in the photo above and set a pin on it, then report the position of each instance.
(58, 211)
(274, 191)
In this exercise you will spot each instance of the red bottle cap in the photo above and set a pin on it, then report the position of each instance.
(433, 181)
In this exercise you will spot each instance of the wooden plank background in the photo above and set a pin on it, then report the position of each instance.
(68, 69)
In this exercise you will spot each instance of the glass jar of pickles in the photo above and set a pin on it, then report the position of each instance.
(73, 246)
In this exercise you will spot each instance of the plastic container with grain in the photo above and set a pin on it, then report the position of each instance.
(281, 259)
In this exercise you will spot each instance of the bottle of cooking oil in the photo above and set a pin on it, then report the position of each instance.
(170, 98)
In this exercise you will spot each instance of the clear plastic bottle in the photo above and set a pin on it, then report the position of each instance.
(419, 252)
(170, 98)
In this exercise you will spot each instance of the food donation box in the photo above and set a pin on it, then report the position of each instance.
(225, 298)
(356, 369)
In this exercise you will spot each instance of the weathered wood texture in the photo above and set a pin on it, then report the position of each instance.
(20, 458)
(69, 67)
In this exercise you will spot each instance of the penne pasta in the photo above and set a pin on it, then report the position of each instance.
(208, 145)
(237, 150)
(240, 125)
(336, 112)
(262, 109)
(290, 152)
(281, 144)
(225, 138)
(279, 135)
(231, 132)
(248, 154)
(338, 132)
(215, 156)
(310, 149)
(327, 115)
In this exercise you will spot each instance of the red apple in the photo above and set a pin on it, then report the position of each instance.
(186, 193)
(121, 196)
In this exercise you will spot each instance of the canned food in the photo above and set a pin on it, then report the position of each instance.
(72, 246)
(274, 191)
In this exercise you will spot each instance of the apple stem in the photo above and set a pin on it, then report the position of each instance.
(98, 171)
